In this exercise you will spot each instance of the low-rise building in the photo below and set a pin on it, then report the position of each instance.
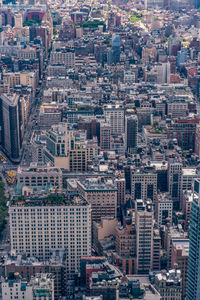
(169, 284)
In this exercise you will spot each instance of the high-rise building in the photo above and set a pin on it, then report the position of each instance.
(11, 125)
(114, 115)
(180, 254)
(144, 231)
(143, 184)
(163, 209)
(121, 191)
(156, 250)
(101, 195)
(38, 225)
(105, 135)
(57, 146)
(116, 48)
(184, 131)
(193, 282)
(126, 248)
(131, 133)
(174, 181)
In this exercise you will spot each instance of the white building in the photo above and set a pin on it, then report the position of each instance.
(66, 58)
(163, 208)
(16, 288)
(40, 286)
(39, 225)
(114, 115)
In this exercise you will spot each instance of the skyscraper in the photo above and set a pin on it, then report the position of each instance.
(131, 131)
(116, 48)
(144, 229)
(114, 115)
(193, 282)
(11, 125)
(174, 181)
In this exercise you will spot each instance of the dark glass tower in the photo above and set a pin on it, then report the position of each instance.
(193, 281)
(116, 48)
(10, 125)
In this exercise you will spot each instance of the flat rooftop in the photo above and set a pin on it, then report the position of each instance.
(51, 200)
(91, 185)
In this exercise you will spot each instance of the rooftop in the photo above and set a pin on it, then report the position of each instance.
(51, 200)
(97, 185)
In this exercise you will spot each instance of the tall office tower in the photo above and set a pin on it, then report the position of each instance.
(105, 134)
(195, 3)
(11, 125)
(163, 70)
(174, 181)
(193, 281)
(38, 225)
(114, 115)
(131, 133)
(116, 48)
(121, 191)
(143, 184)
(144, 233)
